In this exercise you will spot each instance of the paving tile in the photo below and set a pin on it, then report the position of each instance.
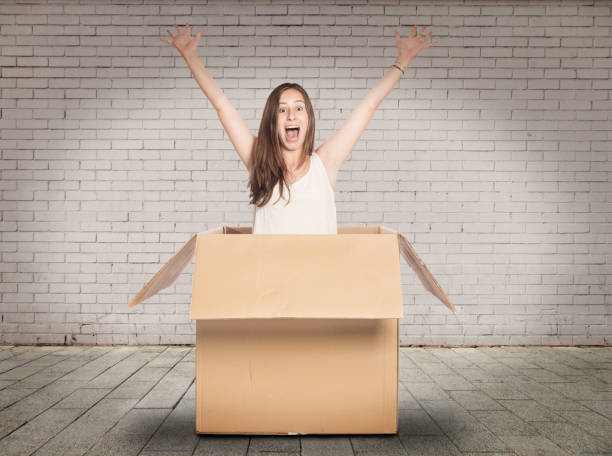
(553, 401)
(579, 391)
(169, 390)
(475, 400)
(588, 378)
(602, 407)
(132, 390)
(9, 424)
(465, 431)
(37, 432)
(376, 445)
(177, 432)
(571, 437)
(47, 360)
(489, 453)
(276, 444)
(82, 434)
(605, 375)
(13, 394)
(436, 368)
(149, 374)
(542, 375)
(591, 422)
(452, 382)
(326, 446)
(420, 355)
(59, 370)
(95, 367)
(20, 372)
(426, 445)
(412, 374)
(497, 371)
(416, 422)
(406, 400)
(166, 453)
(476, 374)
(479, 441)
(502, 422)
(557, 367)
(556, 403)
(470, 355)
(273, 453)
(5, 383)
(502, 391)
(533, 445)
(451, 417)
(5, 352)
(122, 370)
(530, 411)
(169, 357)
(21, 356)
(52, 373)
(191, 355)
(131, 433)
(517, 363)
(222, 445)
(532, 389)
(83, 398)
(425, 391)
(451, 357)
(32, 405)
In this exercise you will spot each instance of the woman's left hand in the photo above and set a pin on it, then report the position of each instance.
(409, 47)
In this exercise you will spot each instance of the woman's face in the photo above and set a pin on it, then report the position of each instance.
(292, 120)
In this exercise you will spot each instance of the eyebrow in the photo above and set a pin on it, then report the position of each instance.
(296, 101)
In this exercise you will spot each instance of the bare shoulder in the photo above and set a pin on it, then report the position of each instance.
(328, 163)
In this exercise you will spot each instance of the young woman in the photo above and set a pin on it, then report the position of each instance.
(282, 157)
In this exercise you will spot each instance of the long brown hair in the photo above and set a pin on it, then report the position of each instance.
(267, 167)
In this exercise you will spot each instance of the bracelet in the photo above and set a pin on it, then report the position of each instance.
(398, 67)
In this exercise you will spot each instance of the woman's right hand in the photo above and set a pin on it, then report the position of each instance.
(183, 41)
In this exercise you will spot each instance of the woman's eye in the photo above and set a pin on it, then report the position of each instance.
(300, 108)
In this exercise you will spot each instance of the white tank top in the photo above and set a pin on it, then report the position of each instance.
(312, 209)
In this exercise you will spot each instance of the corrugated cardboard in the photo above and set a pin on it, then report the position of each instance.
(296, 333)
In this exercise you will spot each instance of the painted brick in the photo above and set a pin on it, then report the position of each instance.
(492, 154)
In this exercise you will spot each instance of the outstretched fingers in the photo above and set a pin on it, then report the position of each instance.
(427, 37)
(169, 33)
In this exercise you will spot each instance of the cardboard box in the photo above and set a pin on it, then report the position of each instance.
(296, 334)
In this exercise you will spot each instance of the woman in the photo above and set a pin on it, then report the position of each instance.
(281, 155)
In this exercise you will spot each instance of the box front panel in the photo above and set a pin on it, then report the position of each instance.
(305, 376)
(296, 276)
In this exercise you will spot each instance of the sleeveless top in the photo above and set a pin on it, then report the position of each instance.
(312, 209)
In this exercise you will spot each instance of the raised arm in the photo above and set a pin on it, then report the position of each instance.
(335, 150)
(241, 137)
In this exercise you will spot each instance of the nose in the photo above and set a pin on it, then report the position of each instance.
(290, 113)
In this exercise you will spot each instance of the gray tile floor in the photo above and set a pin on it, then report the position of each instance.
(461, 401)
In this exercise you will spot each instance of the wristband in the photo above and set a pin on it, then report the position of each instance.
(398, 67)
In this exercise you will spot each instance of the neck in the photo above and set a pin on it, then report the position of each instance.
(292, 159)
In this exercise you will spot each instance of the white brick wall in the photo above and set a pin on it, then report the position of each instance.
(493, 155)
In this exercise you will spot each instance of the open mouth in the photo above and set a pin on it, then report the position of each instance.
(292, 133)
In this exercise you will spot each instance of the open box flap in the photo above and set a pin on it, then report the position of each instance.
(426, 277)
(168, 274)
(273, 276)
(170, 271)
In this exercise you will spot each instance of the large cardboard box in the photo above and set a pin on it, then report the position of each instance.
(296, 334)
